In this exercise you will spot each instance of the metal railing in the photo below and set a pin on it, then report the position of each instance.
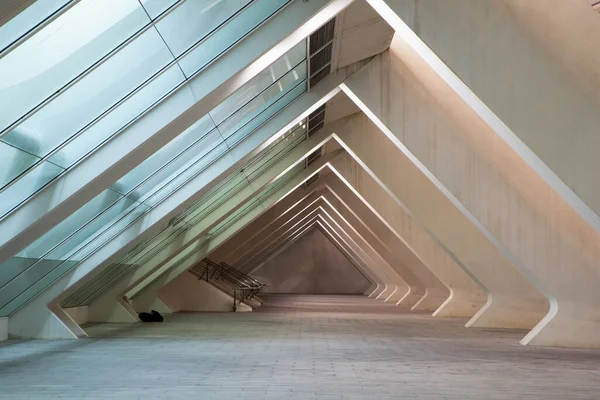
(243, 286)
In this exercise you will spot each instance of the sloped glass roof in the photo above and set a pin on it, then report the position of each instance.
(185, 221)
(98, 67)
(90, 227)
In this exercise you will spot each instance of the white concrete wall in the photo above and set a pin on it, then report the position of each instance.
(515, 302)
(528, 220)
(78, 314)
(312, 265)
(188, 293)
(415, 246)
(508, 53)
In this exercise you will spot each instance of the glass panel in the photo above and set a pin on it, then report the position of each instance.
(30, 183)
(228, 35)
(194, 19)
(49, 127)
(248, 112)
(275, 105)
(195, 159)
(164, 155)
(62, 50)
(27, 20)
(187, 174)
(95, 93)
(14, 162)
(183, 158)
(56, 235)
(119, 117)
(276, 153)
(156, 7)
(260, 82)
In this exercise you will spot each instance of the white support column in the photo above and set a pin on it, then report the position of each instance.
(521, 214)
(466, 298)
(515, 302)
(548, 114)
(427, 296)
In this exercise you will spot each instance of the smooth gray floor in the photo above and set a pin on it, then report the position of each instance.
(298, 347)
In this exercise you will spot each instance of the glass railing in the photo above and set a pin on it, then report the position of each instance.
(136, 193)
(51, 122)
(185, 221)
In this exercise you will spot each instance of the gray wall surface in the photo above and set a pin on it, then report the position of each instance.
(312, 265)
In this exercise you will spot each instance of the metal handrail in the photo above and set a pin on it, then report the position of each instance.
(243, 286)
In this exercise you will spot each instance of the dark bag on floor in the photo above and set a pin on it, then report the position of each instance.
(153, 316)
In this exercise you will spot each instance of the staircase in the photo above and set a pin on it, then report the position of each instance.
(238, 285)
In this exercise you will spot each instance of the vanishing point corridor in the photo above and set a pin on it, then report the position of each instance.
(297, 347)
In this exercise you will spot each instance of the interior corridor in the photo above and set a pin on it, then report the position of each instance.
(297, 347)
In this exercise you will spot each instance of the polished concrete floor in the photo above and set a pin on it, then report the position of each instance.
(297, 347)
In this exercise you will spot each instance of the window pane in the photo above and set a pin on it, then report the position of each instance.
(261, 82)
(164, 155)
(228, 35)
(156, 7)
(190, 162)
(14, 162)
(119, 117)
(194, 19)
(247, 114)
(32, 182)
(28, 19)
(62, 50)
(95, 93)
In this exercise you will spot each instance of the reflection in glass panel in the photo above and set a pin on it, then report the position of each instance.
(193, 20)
(39, 176)
(56, 235)
(27, 20)
(228, 35)
(62, 50)
(261, 118)
(156, 7)
(179, 175)
(262, 101)
(119, 117)
(164, 155)
(260, 82)
(14, 162)
(95, 93)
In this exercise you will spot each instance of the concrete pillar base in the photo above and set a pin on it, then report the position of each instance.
(508, 313)
(112, 310)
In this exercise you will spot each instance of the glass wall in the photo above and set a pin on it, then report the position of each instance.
(28, 20)
(132, 196)
(170, 238)
(98, 67)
